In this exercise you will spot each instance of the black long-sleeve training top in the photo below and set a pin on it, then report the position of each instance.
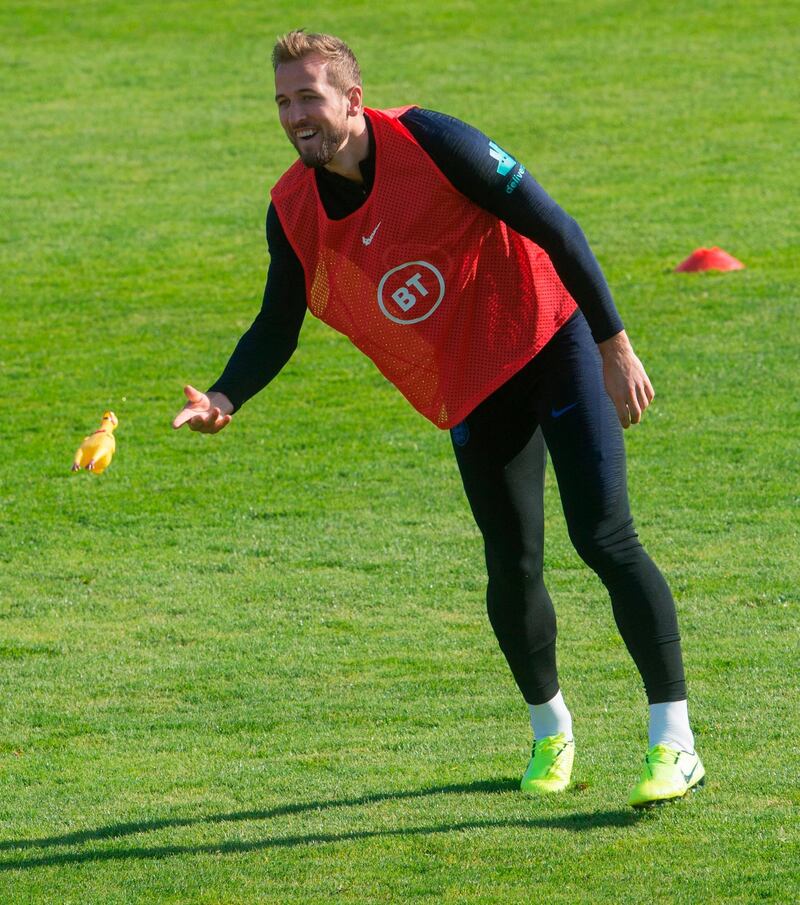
(479, 170)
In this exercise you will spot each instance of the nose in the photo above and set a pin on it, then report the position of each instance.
(295, 118)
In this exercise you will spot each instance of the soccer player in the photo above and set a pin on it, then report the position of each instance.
(441, 258)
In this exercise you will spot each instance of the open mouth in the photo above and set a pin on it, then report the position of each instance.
(305, 134)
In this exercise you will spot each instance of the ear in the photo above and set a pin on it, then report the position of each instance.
(355, 100)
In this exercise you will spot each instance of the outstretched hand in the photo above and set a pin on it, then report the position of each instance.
(206, 414)
(626, 380)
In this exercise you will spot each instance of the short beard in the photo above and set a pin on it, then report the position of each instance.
(332, 140)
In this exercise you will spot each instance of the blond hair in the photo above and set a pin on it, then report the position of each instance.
(343, 69)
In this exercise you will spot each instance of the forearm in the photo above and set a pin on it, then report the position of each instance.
(257, 359)
(581, 274)
(530, 211)
(265, 348)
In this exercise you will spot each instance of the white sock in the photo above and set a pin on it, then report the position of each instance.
(551, 718)
(669, 725)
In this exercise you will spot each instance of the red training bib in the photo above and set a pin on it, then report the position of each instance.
(446, 300)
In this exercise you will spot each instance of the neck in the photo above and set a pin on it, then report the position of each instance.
(354, 149)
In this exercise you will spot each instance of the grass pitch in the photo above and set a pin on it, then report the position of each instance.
(256, 668)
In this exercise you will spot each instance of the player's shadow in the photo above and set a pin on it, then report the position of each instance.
(576, 822)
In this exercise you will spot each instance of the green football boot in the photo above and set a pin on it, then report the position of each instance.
(668, 774)
(550, 765)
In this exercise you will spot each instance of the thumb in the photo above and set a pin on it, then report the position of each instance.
(194, 395)
(195, 400)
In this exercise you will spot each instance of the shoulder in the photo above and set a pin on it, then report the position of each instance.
(443, 135)
(296, 176)
(433, 124)
(477, 166)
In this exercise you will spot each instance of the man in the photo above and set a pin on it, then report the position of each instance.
(440, 257)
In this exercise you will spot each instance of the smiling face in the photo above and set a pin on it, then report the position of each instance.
(314, 113)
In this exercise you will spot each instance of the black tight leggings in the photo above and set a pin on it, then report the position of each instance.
(559, 399)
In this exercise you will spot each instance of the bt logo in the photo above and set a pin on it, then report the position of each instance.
(411, 292)
(407, 299)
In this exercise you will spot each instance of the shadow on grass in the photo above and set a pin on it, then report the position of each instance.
(576, 822)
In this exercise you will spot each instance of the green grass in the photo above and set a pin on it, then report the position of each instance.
(256, 667)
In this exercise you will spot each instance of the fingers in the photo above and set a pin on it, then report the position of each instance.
(631, 406)
(182, 417)
(638, 398)
(200, 414)
(210, 422)
(644, 391)
(196, 402)
(642, 398)
(204, 421)
(218, 421)
(628, 386)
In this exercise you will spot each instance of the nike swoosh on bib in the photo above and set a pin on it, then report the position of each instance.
(367, 239)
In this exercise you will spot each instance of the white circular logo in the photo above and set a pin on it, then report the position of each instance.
(411, 292)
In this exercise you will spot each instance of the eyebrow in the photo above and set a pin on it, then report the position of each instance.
(308, 90)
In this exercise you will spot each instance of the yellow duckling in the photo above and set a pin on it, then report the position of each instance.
(96, 451)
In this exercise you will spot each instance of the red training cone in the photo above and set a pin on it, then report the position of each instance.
(709, 259)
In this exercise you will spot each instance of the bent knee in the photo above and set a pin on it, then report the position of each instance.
(603, 549)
